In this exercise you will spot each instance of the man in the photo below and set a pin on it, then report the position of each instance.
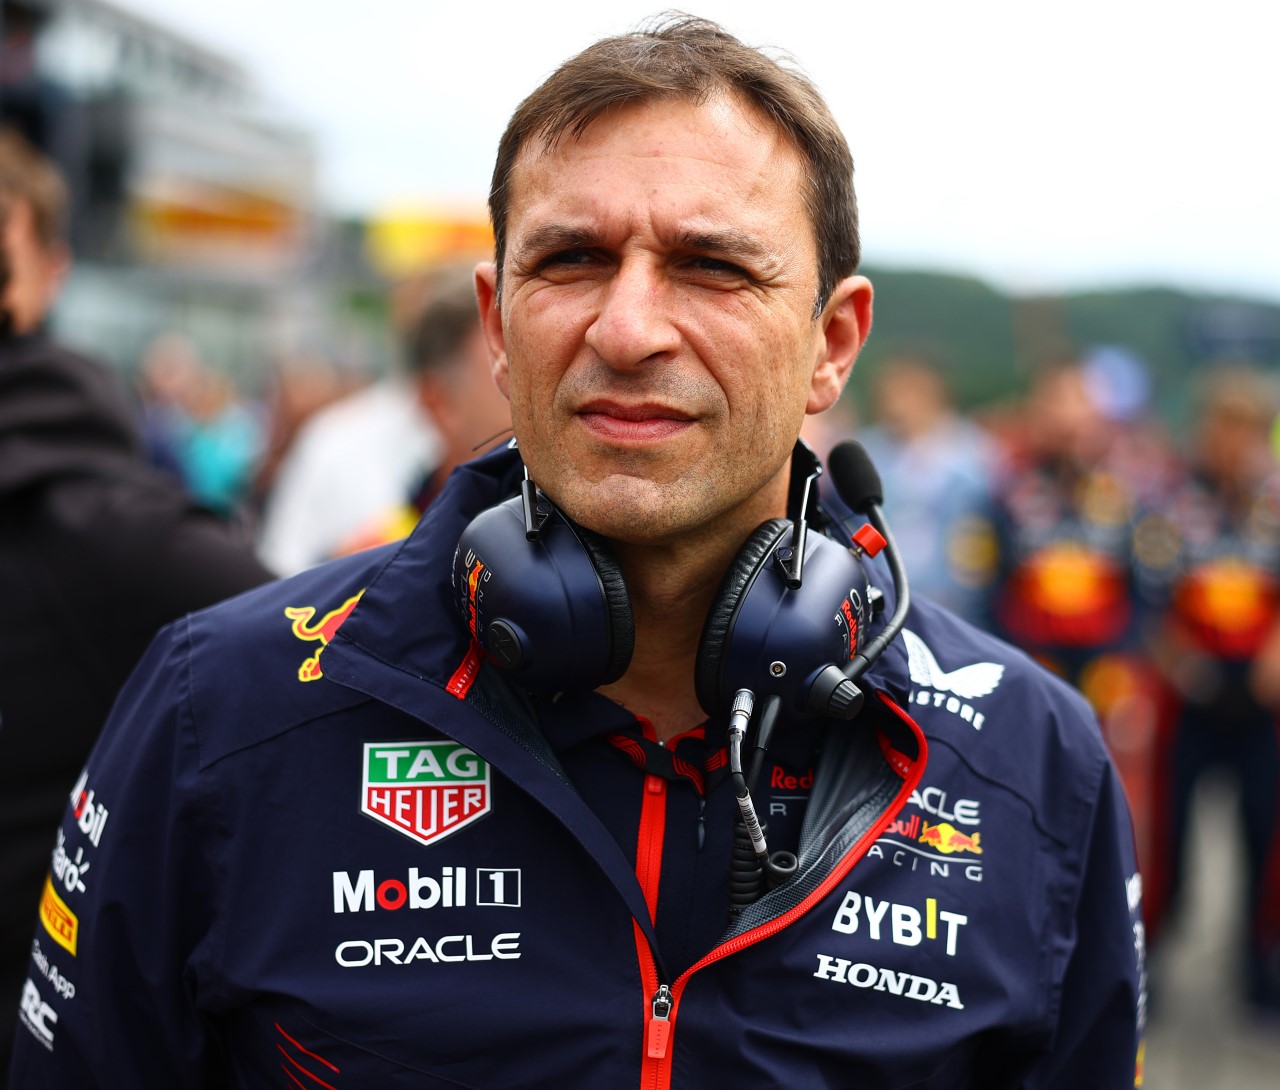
(937, 467)
(97, 551)
(1221, 611)
(449, 361)
(347, 463)
(387, 858)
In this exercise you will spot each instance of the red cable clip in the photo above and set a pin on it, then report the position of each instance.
(869, 539)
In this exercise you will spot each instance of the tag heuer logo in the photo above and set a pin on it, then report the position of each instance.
(425, 790)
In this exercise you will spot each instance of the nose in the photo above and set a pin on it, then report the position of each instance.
(635, 321)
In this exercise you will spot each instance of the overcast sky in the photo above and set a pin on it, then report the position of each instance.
(1037, 145)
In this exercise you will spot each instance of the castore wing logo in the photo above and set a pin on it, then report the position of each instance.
(967, 682)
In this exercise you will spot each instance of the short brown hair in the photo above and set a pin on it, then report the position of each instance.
(1239, 392)
(681, 57)
(27, 175)
(446, 317)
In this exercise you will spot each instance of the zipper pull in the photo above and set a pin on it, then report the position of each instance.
(659, 1032)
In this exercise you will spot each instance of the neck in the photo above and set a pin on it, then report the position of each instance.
(670, 597)
(672, 586)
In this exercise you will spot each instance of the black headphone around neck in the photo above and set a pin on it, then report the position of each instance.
(545, 600)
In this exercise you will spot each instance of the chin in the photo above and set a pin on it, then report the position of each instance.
(636, 515)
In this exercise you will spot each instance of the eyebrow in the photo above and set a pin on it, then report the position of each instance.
(554, 236)
(728, 241)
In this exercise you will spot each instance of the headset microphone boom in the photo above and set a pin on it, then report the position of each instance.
(835, 692)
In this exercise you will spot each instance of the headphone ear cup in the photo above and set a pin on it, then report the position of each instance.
(619, 619)
(719, 623)
(553, 614)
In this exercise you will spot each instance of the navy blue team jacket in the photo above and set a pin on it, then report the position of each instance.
(305, 857)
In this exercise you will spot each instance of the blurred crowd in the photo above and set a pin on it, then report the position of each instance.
(1136, 557)
(320, 458)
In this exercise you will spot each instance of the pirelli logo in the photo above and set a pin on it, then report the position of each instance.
(58, 919)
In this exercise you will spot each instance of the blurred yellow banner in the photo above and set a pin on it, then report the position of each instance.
(402, 240)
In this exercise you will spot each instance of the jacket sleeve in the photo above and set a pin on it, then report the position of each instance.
(1098, 1038)
(115, 985)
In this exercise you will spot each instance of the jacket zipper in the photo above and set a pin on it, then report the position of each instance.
(658, 1034)
(655, 1069)
(665, 1002)
(653, 829)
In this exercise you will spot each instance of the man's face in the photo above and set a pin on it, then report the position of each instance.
(656, 336)
(35, 270)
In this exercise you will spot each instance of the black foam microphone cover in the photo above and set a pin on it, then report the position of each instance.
(855, 477)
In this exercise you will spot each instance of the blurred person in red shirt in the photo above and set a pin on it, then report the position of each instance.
(1081, 566)
(1222, 607)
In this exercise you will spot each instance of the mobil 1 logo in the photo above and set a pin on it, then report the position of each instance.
(425, 790)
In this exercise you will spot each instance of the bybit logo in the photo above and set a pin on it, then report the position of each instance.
(901, 924)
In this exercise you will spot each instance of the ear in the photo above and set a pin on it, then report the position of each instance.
(842, 330)
(57, 264)
(429, 397)
(491, 322)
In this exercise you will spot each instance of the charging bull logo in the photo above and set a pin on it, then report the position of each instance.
(323, 630)
(947, 838)
(477, 575)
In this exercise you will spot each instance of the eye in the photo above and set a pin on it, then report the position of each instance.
(717, 264)
(571, 265)
(567, 259)
(716, 271)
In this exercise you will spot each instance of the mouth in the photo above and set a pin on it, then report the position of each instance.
(618, 422)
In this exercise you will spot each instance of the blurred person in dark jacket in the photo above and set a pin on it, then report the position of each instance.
(1213, 646)
(1080, 565)
(98, 549)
